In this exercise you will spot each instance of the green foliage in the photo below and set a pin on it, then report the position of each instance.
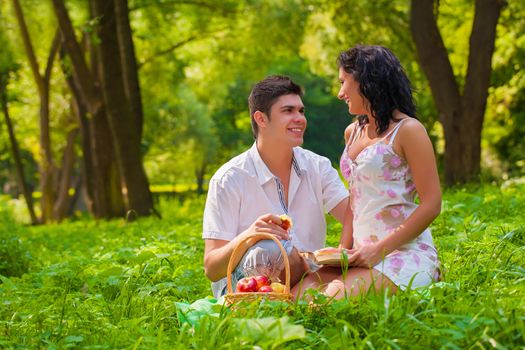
(195, 95)
(327, 116)
(199, 59)
(336, 26)
(141, 285)
(15, 259)
(505, 127)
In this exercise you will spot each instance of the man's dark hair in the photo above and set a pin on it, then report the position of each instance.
(382, 82)
(266, 92)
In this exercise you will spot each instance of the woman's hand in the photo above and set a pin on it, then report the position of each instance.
(366, 256)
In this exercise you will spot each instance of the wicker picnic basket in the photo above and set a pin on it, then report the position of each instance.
(238, 252)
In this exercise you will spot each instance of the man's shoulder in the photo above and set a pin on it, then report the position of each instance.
(308, 159)
(299, 151)
(236, 167)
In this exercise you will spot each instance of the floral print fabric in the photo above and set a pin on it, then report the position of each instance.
(382, 196)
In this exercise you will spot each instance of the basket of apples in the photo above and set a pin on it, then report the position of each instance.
(257, 287)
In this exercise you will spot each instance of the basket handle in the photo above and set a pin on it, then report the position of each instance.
(238, 250)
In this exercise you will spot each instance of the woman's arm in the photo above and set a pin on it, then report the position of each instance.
(343, 214)
(413, 144)
(347, 238)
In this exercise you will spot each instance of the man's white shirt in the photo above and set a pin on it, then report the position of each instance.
(244, 189)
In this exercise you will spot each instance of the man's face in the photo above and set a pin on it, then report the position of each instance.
(287, 121)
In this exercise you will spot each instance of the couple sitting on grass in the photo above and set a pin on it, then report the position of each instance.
(388, 160)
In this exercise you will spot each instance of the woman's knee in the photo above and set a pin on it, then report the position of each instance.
(359, 281)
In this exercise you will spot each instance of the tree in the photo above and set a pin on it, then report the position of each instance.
(99, 172)
(54, 180)
(101, 175)
(129, 63)
(124, 126)
(47, 167)
(109, 102)
(461, 111)
(336, 25)
(7, 68)
(504, 126)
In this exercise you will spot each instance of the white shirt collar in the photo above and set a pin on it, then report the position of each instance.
(297, 163)
(261, 169)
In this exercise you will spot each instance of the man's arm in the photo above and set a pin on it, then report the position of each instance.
(217, 252)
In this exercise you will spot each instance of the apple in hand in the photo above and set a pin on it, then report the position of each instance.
(265, 289)
(262, 281)
(246, 285)
(286, 222)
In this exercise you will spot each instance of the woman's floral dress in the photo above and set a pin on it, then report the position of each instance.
(382, 196)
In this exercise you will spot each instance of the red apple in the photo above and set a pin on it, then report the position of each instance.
(247, 284)
(265, 289)
(262, 281)
(286, 222)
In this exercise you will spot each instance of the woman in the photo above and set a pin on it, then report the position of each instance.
(388, 159)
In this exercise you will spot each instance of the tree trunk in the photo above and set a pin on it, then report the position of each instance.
(16, 154)
(101, 175)
(129, 63)
(199, 173)
(479, 69)
(461, 114)
(111, 198)
(46, 165)
(81, 72)
(80, 111)
(63, 202)
(108, 194)
(122, 124)
(77, 197)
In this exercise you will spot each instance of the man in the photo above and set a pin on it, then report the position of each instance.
(275, 176)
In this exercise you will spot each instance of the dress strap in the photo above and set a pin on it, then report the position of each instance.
(394, 131)
(357, 131)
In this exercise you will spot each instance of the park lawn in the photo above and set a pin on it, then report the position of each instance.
(118, 285)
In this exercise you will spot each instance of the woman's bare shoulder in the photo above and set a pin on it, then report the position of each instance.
(412, 127)
(411, 134)
(350, 130)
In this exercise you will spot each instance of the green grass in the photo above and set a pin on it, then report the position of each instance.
(114, 285)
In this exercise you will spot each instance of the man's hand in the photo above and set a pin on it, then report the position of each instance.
(217, 252)
(268, 223)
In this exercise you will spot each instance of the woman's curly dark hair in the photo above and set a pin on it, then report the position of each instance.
(382, 82)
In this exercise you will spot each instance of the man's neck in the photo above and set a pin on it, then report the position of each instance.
(277, 159)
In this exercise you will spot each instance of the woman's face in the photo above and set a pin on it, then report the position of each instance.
(349, 92)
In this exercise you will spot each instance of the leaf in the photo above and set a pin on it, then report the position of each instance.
(269, 331)
(74, 339)
(193, 313)
(8, 284)
(144, 256)
(112, 271)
